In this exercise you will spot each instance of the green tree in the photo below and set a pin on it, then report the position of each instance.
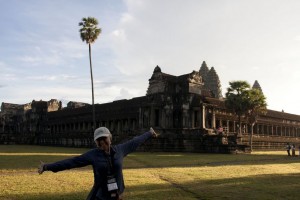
(89, 32)
(237, 99)
(257, 106)
(245, 102)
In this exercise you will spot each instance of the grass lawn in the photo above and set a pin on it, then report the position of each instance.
(157, 176)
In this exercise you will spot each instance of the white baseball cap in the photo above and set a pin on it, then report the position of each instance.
(101, 132)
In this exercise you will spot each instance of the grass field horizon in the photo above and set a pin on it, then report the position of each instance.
(156, 175)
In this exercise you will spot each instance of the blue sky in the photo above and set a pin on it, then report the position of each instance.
(43, 57)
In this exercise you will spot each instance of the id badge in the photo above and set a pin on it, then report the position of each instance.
(112, 184)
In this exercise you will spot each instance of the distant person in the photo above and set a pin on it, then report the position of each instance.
(107, 162)
(293, 150)
(288, 149)
(220, 130)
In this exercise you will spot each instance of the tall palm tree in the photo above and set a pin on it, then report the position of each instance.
(89, 32)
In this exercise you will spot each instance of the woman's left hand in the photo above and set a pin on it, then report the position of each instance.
(153, 132)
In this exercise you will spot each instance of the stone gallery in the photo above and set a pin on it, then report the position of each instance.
(185, 110)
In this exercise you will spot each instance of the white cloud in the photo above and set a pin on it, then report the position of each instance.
(126, 94)
(9, 77)
(50, 92)
(30, 59)
(119, 35)
(126, 18)
(53, 77)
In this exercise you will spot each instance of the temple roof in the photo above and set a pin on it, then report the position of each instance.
(220, 103)
(270, 113)
(282, 115)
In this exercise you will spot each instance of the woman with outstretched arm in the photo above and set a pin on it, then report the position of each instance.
(107, 162)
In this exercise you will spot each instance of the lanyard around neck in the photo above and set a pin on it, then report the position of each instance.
(109, 158)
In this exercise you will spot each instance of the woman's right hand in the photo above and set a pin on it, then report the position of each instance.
(41, 167)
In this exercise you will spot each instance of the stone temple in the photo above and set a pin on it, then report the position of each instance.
(185, 110)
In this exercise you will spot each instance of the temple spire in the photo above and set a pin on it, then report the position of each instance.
(204, 70)
(213, 83)
(257, 86)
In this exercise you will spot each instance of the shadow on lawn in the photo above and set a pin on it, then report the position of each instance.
(27, 161)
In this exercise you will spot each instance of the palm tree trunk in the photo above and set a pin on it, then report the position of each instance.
(92, 82)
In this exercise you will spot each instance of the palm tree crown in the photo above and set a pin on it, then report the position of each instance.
(89, 31)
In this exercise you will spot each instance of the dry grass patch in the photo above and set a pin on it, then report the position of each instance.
(159, 176)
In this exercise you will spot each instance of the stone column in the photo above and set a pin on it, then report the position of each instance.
(140, 119)
(285, 131)
(199, 117)
(193, 119)
(213, 119)
(272, 130)
(203, 117)
(152, 116)
(163, 118)
(227, 125)
(234, 126)
(257, 129)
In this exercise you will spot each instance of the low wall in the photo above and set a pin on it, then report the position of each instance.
(175, 140)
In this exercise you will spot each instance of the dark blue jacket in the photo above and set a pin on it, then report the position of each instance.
(98, 159)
